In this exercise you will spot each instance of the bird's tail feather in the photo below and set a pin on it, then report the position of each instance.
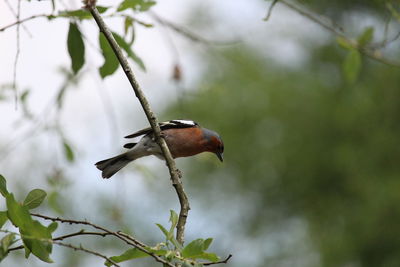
(111, 166)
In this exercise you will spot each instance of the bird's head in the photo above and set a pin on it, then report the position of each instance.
(214, 143)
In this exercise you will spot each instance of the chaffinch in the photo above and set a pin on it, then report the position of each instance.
(184, 138)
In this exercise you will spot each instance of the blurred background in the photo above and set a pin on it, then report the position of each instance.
(311, 175)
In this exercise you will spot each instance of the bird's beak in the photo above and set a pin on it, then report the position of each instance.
(220, 156)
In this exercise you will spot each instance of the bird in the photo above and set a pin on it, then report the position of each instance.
(184, 138)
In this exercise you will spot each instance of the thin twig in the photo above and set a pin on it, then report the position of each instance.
(270, 9)
(81, 232)
(314, 18)
(130, 241)
(174, 172)
(131, 238)
(18, 22)
(187, 33)
(15, 248)
(385, 41)
(373, 54)
(55, 241)
(218, 262)
(80, 248)
(385, 34)
(15, 15)
(17, 56)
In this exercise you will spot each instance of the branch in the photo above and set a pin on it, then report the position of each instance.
(173, 171)
(81, 232)
(124, 237)
(336, 30)
(371, 53)
(187, 33)
(16, 16)
(131, 238)
(18, 22)
(218, 262)
(17, 57)
(270, 10)
(54, 241)
(87, 251)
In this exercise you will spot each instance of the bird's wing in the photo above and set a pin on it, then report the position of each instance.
(164, 126)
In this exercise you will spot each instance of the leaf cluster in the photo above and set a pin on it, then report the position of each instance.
(353, 61)
(172, 250)
(76, 43)
(36, 237)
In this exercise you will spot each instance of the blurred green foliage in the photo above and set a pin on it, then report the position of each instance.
(339, 8)
(309, 145)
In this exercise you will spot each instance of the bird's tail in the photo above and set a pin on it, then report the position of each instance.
(111, 166)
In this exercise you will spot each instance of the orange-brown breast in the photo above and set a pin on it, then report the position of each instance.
(185, 142)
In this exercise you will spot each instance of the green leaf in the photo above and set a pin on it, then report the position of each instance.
(158, 252)
(173, 218)
(76, 47)
(170, 236)
(27, 252)
(175, 243)
(3, 186)
(18, 214)
(34, 198)
(136, 5)
(128, 23)
(68, 152)
(206, 256)
(162, 228)
(33, 234)
(81, 13)
(3, 254)
(24, 95)
(130, 254)
(344, 43)
(7, 241)
(110, 60)
(352, 66)
(37, 238)
(366, 37)
(209, 256)
(124, 45)
(207, 243)
(41, 250)
(3, 218)
(194, 248)
(52, 227)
